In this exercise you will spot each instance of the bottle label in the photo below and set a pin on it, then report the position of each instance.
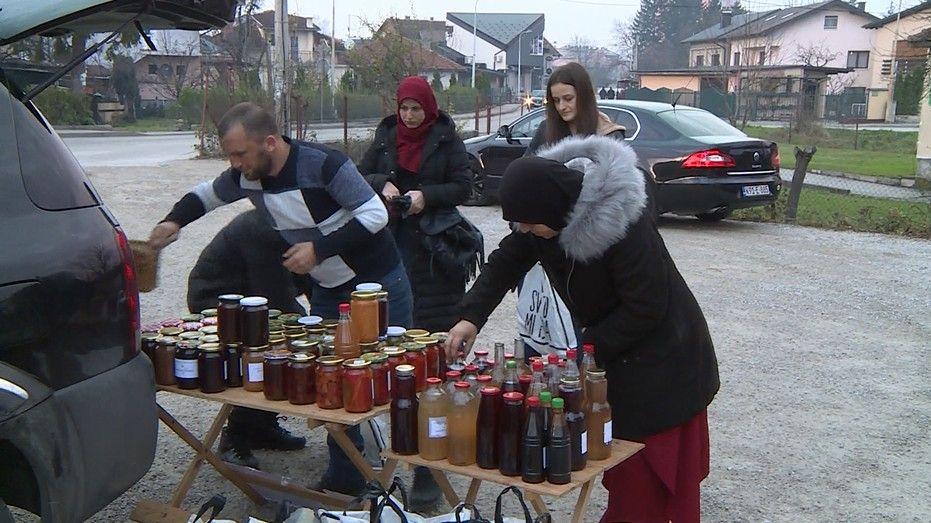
(436, 427)
(185, 368)
(608, 434)
(256, 372)
(585, 442)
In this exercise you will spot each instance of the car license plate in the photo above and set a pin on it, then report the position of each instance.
(755, 190)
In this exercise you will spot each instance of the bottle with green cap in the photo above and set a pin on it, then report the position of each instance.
(559, 450)
(546, 409)
(510, 383)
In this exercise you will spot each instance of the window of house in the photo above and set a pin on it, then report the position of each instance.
(715, 59)
(737, 58)
(858, 59)
(699, 60)
(761, 59)
(153, 69)
(180, 70)
(830, 22)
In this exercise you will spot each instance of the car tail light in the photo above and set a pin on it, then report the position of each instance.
(130, 287)
(709, 159)
(777, 162)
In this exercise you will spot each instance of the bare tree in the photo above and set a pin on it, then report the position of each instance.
(179, 64)
(742, 65)
(813, 55)
(381, 62)
(838, 83)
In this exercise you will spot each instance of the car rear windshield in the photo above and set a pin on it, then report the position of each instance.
(694, 123)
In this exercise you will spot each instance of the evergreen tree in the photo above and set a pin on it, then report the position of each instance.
(659, 28)
(436, 83)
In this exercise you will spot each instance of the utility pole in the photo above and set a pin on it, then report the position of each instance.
(474, 31)
(894, 69)
(282, 66)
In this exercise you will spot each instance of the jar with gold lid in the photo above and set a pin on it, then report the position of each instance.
(306, 346)
(164, 361)
(357, 386)
(211, 368)
(277, 342)
(328, 381)
(273, 374)
(253, 361)
(299, 377)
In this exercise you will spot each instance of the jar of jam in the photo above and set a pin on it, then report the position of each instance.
(434, 352)
(208, 313)
(413, 334)
(233, 365)
(306, 346)
(299, 375)
(190, 336)
(382, 297)
(364, 313)
(210, 338)
(291, 337)
(310, 321)
(254, 321)
(149, 343)
(228, 318)
(253, 371)
(278, 343)
(330, 326)
(192, 317)
(366, 348)
(415, 354)
(273, 382)
(328, 380)
(289, 318)
(174, 332)
(210, 320)
(395, 358)
(164, 360)
(395, 336)
(381, 384)
(357, 386)
(186, 365)
(327, 345)
(211, 368)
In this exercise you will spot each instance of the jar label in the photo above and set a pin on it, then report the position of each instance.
(185, 368)
(585, 442)
(608, 434)
(256, 372)
(436, 427)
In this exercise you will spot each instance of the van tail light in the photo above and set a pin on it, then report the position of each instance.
(774, 154)
(130, 288)
(710, 159)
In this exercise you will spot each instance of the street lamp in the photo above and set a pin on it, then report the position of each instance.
(520, 51)
(474, 29)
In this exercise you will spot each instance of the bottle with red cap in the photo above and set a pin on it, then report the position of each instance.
(486, 438)
(452, 376)
(510, 424)
(588, 362)
(431, 422)
(469, 375)
(571, 370)
(532, 470)
(537, 383)
(482, 362)
(553, 374)
(463, 416)
(344, 343)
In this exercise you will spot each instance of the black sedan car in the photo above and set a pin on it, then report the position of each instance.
(699, 164)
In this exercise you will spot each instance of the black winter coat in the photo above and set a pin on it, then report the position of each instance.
(243, 258)
(445, 181)
(613, 271)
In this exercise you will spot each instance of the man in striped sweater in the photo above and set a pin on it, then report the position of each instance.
(332, 221)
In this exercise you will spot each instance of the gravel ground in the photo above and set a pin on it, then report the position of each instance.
(822, 339)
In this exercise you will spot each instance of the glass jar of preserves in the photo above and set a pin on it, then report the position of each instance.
(364, 313)
(395, 336)
(366, 348)
(434, 353)
(413, 334)
(273, 383)
(306, 346)
(273, 314)
(293, 336)
(192, 317)
(210, 320)
(299, 376)
(289, 319)
(211, 368)
(210, 338)
(254, 321)
(233, 365)
(173, 332)
(164, 360)
(357, 386)
(253, 372)
(382, 297)
(415, 354)
(330, 326)
(149, 343)
(328, 380)
(208, 330)
(381, 382)
(186, 365)
(278, 343)
(309, 322)
(209, 313)
(404, 407)
(597, 415)
(395, 358)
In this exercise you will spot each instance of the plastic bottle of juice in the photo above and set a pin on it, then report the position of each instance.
(345, 345)
(431, 421)
(598, 415)
(559, 449)
(462, 419)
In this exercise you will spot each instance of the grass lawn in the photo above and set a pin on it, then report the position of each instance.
(879, 153)
(822, 208)
(143, 125)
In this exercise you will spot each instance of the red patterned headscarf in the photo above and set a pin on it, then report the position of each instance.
(411, 141)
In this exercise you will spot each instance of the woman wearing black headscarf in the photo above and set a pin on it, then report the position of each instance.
(582, 212)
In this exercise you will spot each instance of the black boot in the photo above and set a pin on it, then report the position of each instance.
(343, 485)
(275, 437)
(425, 494)
(234, 448)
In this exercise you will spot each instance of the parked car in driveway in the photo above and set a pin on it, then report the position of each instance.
(698, 164)
(78, 420)
(536, 98)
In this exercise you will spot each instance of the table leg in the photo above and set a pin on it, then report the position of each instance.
(578, 515)
(537, 502)
(194, 466)
(387, 472)
(212, 458)
(472, 495)
(448, 492)
(339, 435)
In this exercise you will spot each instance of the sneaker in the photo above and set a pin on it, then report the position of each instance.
(275, 437)
(241, 457)
(425, 493)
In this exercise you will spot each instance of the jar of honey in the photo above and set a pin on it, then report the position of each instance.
(357, 386)
(211, 368)
(328, 381)
(299, 375)
(253, 362)
(254, 321)
(186, 365)
(273, 371)
(381, 383)
(233, 365)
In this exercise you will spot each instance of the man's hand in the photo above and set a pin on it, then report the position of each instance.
(390, 192)
(461, 337)
(417, 202)
(300, 258)
(163, 234)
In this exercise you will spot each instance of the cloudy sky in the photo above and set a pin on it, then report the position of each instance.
(589, 19)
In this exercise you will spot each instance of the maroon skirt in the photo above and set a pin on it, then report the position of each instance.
(661, 482)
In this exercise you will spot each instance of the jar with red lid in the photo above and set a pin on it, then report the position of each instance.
(381, 383)
(328, 381)
(357, 386)
(299, 376)
(415, 354)
(273, 381)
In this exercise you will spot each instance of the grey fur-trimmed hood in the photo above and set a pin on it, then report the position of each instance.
(613, 193)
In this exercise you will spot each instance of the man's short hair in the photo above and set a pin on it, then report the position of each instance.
(257, 122)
